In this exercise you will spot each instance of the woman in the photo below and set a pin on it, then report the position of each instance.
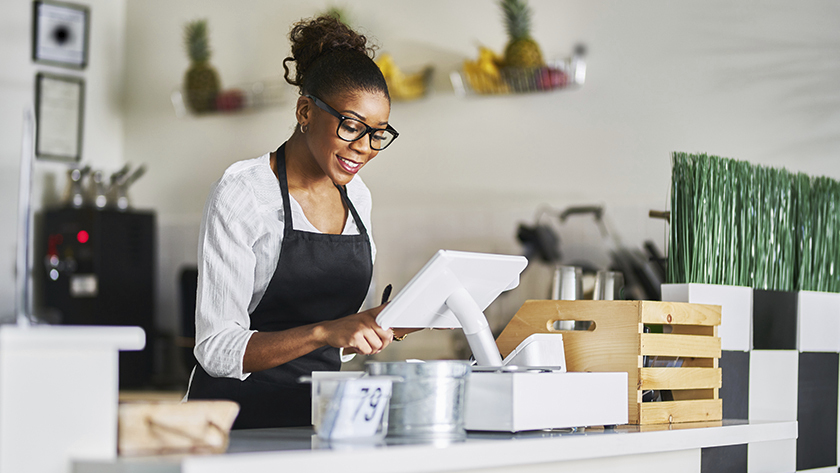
(285, 251)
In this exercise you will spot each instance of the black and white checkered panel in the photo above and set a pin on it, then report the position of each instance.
(818, 343)
(780, 360)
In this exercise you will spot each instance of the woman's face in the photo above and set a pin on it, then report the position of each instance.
(341, 160)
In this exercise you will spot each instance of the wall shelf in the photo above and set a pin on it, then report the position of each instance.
(237, 99)
(555, 75)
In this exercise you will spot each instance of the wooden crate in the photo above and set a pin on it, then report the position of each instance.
(616, 341)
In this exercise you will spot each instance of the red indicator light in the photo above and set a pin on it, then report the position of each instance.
(52, 244)
(82, 236)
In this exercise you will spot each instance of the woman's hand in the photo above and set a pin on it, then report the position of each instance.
(358, 333)
(400, 333)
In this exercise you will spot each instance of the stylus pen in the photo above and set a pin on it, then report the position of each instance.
(386, 294)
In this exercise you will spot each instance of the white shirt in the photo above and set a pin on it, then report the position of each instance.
(239, 246)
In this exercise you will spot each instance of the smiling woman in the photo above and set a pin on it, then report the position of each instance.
(285, 250)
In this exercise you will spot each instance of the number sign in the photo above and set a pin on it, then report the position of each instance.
(356, 409)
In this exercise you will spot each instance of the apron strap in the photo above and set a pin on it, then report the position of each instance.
(359, 224)
(280, 164)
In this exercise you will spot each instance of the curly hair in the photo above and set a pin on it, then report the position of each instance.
(330, 58)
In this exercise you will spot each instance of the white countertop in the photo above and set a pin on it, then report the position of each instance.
(61, 337)
(297, 449)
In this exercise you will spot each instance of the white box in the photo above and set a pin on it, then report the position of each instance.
(771, 457)
(736, 304)
(774, 382)
(517, 401)
(59, 394)
(819, 321)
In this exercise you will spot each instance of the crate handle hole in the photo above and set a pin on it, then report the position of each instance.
(571, 326)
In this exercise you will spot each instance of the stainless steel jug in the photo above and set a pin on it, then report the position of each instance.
(429, 401)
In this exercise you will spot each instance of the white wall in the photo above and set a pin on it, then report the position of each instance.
(102, 145)
(750, 80)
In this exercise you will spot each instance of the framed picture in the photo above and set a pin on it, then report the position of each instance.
(59, 115)
(60, 34)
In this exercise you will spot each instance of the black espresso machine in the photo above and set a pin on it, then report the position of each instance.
(99, 270)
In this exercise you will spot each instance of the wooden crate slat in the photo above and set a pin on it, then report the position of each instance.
(681, 411)
(694, 330)
(669, 344)
(680, 378)
(679, 426)
(694, 394)
(679, 313)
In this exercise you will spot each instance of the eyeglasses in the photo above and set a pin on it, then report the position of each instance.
(351, 129)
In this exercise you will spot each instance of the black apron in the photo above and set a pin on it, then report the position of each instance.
(319, 277)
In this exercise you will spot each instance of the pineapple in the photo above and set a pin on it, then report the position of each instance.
(338, 13)
(201, 82)
(521, 51)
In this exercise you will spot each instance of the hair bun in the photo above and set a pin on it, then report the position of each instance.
(318, 37)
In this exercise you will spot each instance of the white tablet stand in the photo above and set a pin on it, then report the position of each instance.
(451, 291)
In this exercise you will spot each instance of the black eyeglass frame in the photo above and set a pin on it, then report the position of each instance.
(368, 129)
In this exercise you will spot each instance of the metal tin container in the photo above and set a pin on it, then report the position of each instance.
(429, 402)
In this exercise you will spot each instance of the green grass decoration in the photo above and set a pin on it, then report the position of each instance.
(804, 232)
(825, 254)
(734, 223)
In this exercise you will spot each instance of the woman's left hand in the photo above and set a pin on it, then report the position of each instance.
(358, 333)
(399, 333)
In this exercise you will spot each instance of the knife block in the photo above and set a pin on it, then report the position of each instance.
(616, 341)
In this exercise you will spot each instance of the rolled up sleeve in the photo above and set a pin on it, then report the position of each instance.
(225, 280)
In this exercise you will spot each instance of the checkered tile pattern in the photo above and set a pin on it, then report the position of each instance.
(780, 360)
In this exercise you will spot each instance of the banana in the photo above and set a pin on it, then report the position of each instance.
(403, 86)
(484, 75)
(489, 61)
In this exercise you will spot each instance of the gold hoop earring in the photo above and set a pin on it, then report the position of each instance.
(304, 128)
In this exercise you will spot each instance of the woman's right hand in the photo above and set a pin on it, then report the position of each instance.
(358, 333)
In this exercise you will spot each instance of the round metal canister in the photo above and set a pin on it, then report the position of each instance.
(429, 401)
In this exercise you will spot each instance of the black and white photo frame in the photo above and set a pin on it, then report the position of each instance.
(59, 114)
(60, 33)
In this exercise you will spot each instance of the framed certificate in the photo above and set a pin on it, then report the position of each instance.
(59, 115)
(60, 34)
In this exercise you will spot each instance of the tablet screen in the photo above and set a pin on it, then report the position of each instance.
(422, 302)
